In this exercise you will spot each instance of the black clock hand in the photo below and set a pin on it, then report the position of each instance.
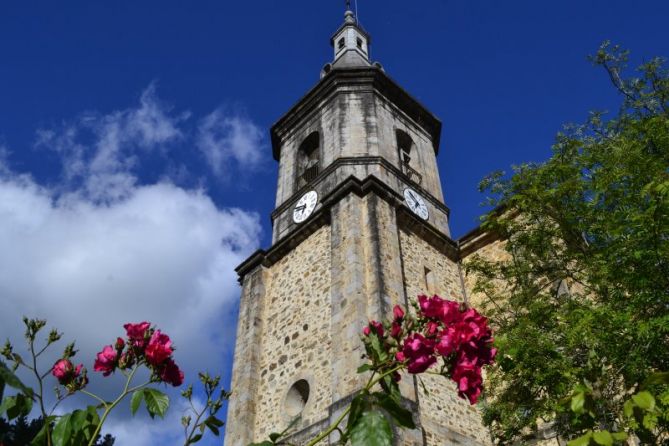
(301, 208)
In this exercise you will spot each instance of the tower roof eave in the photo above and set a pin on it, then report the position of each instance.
(359, 75)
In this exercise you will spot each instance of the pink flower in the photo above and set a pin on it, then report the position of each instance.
(395, 330)
(171, 374)
(70, 376)
(419, 351)
(137, 333)
(447, 343)
(63, 371)
(120, 343)
(468, 378)
(375, 327)
(431, 328)
(399, 356)
(159, 348)
(398, 313)
(106, 360)
(447, 311)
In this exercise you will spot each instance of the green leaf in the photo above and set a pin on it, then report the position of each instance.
(62, 431)
(363, 368)
(583, 440)
(402, 416)
(16, 406)
(577, 402)
(40, 438)
(372, 429)
(264, 443)
(358, 406)
(213, 426)
(619, 436)
(274, 436)
(603, 437)
(650, 421)
(156, 402)
(7, 377)
(136, 400)
(195, 439)
(644, 400)
(628, 408)
(380, 353)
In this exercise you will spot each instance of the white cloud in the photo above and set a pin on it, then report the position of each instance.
(224, 139)
(101, 248)
(100, 152)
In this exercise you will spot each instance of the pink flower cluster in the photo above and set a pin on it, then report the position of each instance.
(143, 345)
(73, 378)
(443, 329)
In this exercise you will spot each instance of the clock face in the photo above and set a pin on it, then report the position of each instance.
(416, 203)
(305, 206)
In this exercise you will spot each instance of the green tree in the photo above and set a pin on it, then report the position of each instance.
(581, 302)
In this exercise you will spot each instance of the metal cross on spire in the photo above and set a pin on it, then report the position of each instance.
(348, 5)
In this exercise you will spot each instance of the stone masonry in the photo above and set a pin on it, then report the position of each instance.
(359, 252)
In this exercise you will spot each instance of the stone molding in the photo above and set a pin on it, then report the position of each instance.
(322, 216)
(373, 77)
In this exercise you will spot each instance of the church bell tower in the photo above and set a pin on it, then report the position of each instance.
(360, 225)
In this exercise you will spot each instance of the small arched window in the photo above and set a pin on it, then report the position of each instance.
(406, 147)
(308, 159)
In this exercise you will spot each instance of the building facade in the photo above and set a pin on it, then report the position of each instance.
(360, 225)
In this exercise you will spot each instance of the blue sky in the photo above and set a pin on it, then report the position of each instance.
(135, 164)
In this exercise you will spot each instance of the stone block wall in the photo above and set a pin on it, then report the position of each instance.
(446, 418)
(296, 341)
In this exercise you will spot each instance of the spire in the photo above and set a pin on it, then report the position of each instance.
(350, 42)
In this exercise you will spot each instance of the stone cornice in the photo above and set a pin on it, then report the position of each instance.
(408, 221)
(377, 80)
(358, 160)
(321, 217)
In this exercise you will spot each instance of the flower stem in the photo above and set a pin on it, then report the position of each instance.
(40, 395)
(335, 426)
(110, 406)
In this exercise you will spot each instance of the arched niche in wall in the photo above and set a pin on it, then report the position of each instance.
(308, 159)
(407, 155)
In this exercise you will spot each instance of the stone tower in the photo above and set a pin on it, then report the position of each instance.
(360, 225)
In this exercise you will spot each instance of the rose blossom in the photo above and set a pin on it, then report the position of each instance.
(395, 330)
(159, 348)
(62, 370)
(106, 360)
(398, 313)
(171, 374)
(137, 333)
(419, 351)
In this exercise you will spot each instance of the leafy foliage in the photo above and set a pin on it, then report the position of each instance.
(581, 300)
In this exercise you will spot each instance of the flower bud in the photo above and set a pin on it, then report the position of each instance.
(398, 313)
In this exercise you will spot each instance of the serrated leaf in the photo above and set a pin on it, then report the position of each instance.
(603, 437)
(195, 439)
(577, 402)
(16, 406)
(619, 436)
(156, 402)
(136, 400)
(62, 431)
(650, 421)
(215, 421)
(363, 368)
(10, 379)
(402, 416)
(380, 353)
(583, 440)
(644, 400)
(372, 429)
(628, 408)
(358, 406)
